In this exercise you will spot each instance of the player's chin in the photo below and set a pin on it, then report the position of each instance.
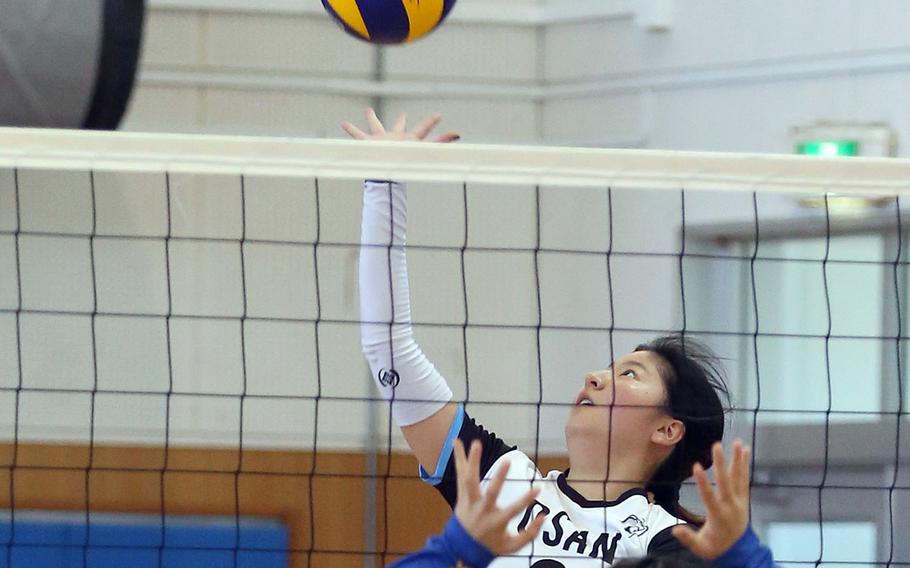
(587, 420)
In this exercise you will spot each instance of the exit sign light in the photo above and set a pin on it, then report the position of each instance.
(828, 148)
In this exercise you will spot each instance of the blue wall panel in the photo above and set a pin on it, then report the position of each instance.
(43, 539)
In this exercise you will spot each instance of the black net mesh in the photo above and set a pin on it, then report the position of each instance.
(179, 352)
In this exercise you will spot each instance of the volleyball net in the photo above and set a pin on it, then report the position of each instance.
(179, 334)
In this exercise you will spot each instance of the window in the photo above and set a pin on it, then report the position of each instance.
(800, 542)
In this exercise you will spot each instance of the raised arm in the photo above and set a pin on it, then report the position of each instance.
(418, 393)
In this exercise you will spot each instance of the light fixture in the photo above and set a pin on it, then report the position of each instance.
(844, 140)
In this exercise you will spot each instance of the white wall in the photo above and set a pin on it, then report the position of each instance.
(692, 75)
(730, 76)
(651, 74)
(242, 67)
(284, 68)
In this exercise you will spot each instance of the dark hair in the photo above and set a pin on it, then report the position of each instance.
(694, 381)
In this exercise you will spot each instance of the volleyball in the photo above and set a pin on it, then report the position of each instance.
(389, 21)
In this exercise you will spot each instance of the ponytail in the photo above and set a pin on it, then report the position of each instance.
(694, 382)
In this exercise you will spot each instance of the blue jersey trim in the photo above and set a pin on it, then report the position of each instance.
(446, 453)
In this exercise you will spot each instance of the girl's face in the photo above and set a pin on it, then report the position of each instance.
(622, 404)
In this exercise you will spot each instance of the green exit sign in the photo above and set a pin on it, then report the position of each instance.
(828, 148)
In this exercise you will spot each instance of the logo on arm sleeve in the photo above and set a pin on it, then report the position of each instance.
(388, 378)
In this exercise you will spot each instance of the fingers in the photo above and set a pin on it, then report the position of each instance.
(376, 126)
(704, 488)
(721, 473)
(492, 492)
(520, 504)
(355, 133)
(467, 471)
(473, 475)
(461, 468)
(741, 476)
(399, 130)
(401, 124)
(744, 479)
(448, 137)
(737, 467)
(516, 542)
(687, 537)
(428, 124)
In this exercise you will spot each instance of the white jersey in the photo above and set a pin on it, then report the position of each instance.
(578, 533)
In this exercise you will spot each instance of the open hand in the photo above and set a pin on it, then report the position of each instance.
(400, 130)
(727, 509)
(478, 512)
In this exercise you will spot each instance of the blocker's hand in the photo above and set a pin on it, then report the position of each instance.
(400, 130)
(727, 510)
(478, 512)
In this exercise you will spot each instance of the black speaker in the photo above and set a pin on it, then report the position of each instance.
(68, 63)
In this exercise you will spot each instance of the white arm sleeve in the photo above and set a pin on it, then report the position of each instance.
(400, 369)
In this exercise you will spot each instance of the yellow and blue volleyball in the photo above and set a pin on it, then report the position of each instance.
(389, 21)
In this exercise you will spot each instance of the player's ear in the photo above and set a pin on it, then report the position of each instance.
(669, 432)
